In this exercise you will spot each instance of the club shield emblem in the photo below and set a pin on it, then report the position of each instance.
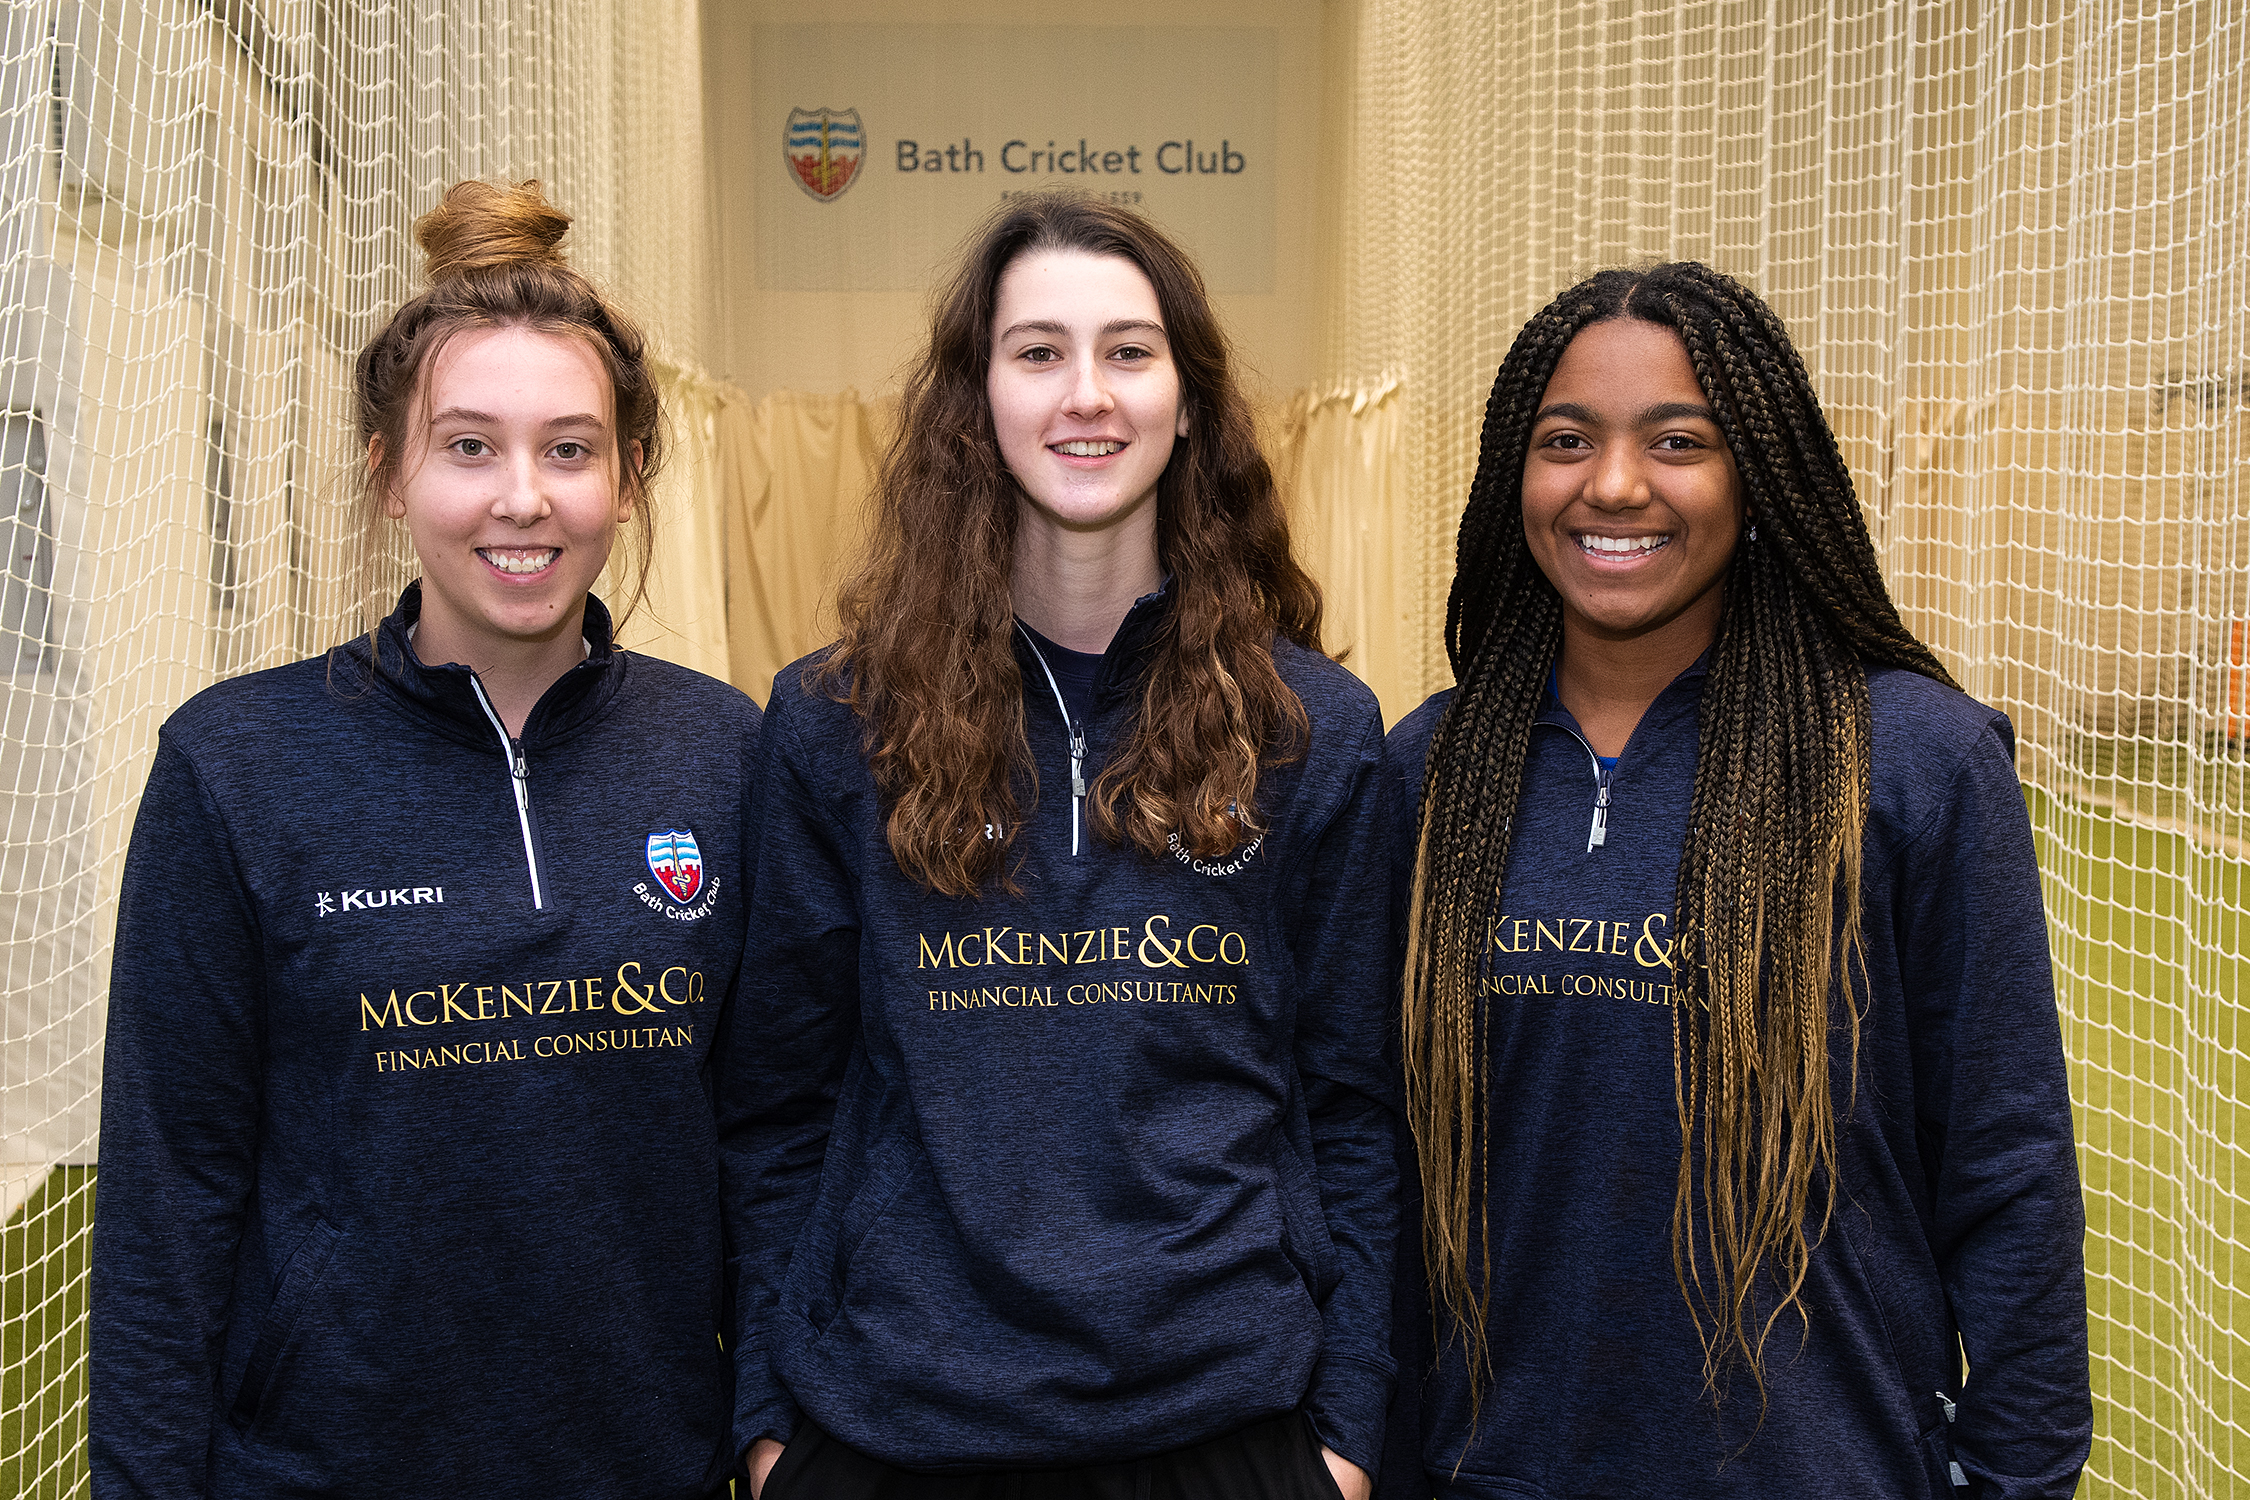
(824, 148)
(676, 863)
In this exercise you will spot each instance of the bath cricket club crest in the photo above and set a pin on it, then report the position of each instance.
(824, 148)
(676, 863)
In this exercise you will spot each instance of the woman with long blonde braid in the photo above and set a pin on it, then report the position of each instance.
(1732, 1058)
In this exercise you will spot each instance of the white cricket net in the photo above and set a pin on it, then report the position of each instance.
(204, 210)
(2010, 240)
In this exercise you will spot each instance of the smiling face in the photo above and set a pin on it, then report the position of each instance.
(510, 492)
(1631, 505)
(1085, 397)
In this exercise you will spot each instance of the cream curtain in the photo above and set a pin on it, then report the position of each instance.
(1335, 454)
(797, 469)
(684, 616)
(761, 509)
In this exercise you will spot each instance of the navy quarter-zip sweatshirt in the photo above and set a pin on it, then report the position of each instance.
(1958, 1230)
(409, 1176)
(1078, 1177)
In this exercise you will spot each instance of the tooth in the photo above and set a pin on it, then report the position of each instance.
(520, 562)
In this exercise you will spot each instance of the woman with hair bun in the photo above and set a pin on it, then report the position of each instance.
(409, 1174)
(1731, 1050)
(1061, 1158)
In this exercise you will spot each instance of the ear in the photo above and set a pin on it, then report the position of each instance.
(394, 505)
(1180, 428)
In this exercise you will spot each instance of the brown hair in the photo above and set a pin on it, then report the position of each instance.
(492, 262)
(925, 654)
(1768, 904)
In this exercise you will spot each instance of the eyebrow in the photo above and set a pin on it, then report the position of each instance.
(1672, 411)
(1061, 330)
(463, 414)
(1663, 411)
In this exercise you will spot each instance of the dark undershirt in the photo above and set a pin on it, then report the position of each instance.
(1074, 674)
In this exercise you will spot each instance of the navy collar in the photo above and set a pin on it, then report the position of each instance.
(1125, 658)
(1551, 710)
(441, 696)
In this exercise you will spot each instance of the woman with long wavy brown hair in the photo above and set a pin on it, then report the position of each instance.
(1060, 1112)
(1731, 1046)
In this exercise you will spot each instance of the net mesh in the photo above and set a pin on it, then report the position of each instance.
(2008, 236)
(2010, 240)
(204, 210)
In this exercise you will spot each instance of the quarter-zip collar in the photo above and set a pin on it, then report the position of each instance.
(444, 698)
(1114, 680)
(519, 782)
(1552, 715)
(1552, 712)
(1075, 731)
(1123, 660)
(1117, 679)
(449, 699)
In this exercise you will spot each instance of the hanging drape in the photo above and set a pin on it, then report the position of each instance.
(683, 617)
(1335, 454)
(760, 510)
(797, 470)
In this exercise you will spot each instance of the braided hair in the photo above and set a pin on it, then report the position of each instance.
(1768, 908)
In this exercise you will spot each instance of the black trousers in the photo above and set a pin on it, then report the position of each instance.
(1278, 1459)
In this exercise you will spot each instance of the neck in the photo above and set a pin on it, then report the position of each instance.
(1076, 587)
(1608, 683)
(515, 674)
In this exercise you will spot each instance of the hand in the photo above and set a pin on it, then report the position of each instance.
(1350, 1477)
(764, 1454)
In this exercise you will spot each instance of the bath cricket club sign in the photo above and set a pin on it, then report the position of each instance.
(824, 148)
(898, 140)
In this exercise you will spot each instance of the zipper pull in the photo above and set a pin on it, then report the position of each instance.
(1077, 780)
(519, 764)
(1954, 1473)
(1072, 732)
(1599, 833)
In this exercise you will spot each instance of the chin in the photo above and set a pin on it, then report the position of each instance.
(521, 625)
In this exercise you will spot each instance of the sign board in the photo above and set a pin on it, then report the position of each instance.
(879, 148)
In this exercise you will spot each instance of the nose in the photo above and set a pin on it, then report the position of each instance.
(1614, 480)
(1089, 394)
(522, 498)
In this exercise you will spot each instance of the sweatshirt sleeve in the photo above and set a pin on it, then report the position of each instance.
(795, 1022)
(1993, 1110)
(181, 1092)
(1340, 939)
(1402, 1476)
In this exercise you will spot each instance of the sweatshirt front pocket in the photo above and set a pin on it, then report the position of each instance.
(1304, 1224)
(818, 1294)
(299, 1278)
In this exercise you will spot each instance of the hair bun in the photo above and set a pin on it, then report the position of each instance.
(479, 226)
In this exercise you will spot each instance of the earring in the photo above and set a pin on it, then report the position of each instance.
(1753, 533)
